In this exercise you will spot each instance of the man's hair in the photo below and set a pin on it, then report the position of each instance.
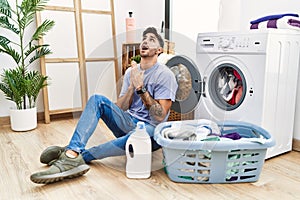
(154, 31)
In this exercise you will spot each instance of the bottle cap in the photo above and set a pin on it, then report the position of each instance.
(140, 125)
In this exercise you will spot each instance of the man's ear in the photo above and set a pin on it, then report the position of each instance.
(159, 50)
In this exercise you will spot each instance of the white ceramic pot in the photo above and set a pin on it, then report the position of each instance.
(23, 120)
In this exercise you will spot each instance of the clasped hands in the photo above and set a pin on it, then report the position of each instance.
(136, 76)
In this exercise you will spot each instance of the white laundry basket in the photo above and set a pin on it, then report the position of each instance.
(226, 161)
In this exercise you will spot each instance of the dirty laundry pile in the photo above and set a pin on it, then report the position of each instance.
(205, 130)
(230, 85)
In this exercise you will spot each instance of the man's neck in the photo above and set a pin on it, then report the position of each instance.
(147, 63)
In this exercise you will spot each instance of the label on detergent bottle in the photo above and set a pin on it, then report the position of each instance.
(138, 153)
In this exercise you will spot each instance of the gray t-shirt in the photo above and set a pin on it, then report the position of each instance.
(160, 83)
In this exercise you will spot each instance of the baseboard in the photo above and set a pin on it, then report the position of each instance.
(5, 121)
(296, 144)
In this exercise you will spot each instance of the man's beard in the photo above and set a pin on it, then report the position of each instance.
(150, 53)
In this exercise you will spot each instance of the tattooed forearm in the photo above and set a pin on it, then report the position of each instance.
(155, 109)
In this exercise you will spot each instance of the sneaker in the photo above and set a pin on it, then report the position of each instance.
(63, 168)
(51, 154)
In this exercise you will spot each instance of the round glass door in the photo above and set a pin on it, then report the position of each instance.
(188, 79)
(227, 86)
(184, 81)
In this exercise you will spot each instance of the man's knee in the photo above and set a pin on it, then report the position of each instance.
(97, 98)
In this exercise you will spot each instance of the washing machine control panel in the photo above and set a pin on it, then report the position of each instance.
(231, 43)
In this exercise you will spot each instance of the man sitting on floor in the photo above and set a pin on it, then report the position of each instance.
(147, 93)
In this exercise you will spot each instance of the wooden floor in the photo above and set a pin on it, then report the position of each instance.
(19, 156)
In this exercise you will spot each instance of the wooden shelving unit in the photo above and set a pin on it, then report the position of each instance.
(68, 68)
(128, 51)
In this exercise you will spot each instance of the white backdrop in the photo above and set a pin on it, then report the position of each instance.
(146, 13)
(236, 15)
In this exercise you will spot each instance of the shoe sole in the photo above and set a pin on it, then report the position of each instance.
(51, 154)
(73, 173)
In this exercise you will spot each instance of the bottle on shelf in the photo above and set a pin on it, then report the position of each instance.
(130, 28)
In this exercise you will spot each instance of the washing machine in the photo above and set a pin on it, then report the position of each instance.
(246, 76)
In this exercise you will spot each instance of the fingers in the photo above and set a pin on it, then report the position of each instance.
(136, 76)
(133, 63)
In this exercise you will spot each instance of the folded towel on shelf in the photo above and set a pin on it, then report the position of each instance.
(286, 22)
(294, 22)
(271, 17)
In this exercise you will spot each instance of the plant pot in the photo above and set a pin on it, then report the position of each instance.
(23, 120)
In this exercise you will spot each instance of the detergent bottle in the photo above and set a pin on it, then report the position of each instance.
(138, 153)
(130, 28)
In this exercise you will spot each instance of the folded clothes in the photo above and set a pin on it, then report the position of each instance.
(294, 22)
(286, 22)
(270, 17)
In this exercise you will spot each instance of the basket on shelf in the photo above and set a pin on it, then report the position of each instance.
(176, 116)
(224, 161)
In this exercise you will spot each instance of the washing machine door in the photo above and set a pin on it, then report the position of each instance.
(226, 86)
(189, 83)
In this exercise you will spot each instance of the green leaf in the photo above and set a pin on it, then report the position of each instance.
(34, 47)
(11, 52)
(33, 5)
(5, 8)
(34, 82)
(43, 29)
(26, 20)
(4, 41)
(39, 53)
(4, 23)
(12, 84)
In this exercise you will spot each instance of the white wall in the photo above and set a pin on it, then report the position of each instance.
(189, 19)
(194, 17)
(236, 14)
(146, 13)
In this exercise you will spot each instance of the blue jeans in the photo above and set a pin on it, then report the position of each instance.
(121, 123)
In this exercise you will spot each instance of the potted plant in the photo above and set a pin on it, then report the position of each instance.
(21, 84)
(136, 58)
